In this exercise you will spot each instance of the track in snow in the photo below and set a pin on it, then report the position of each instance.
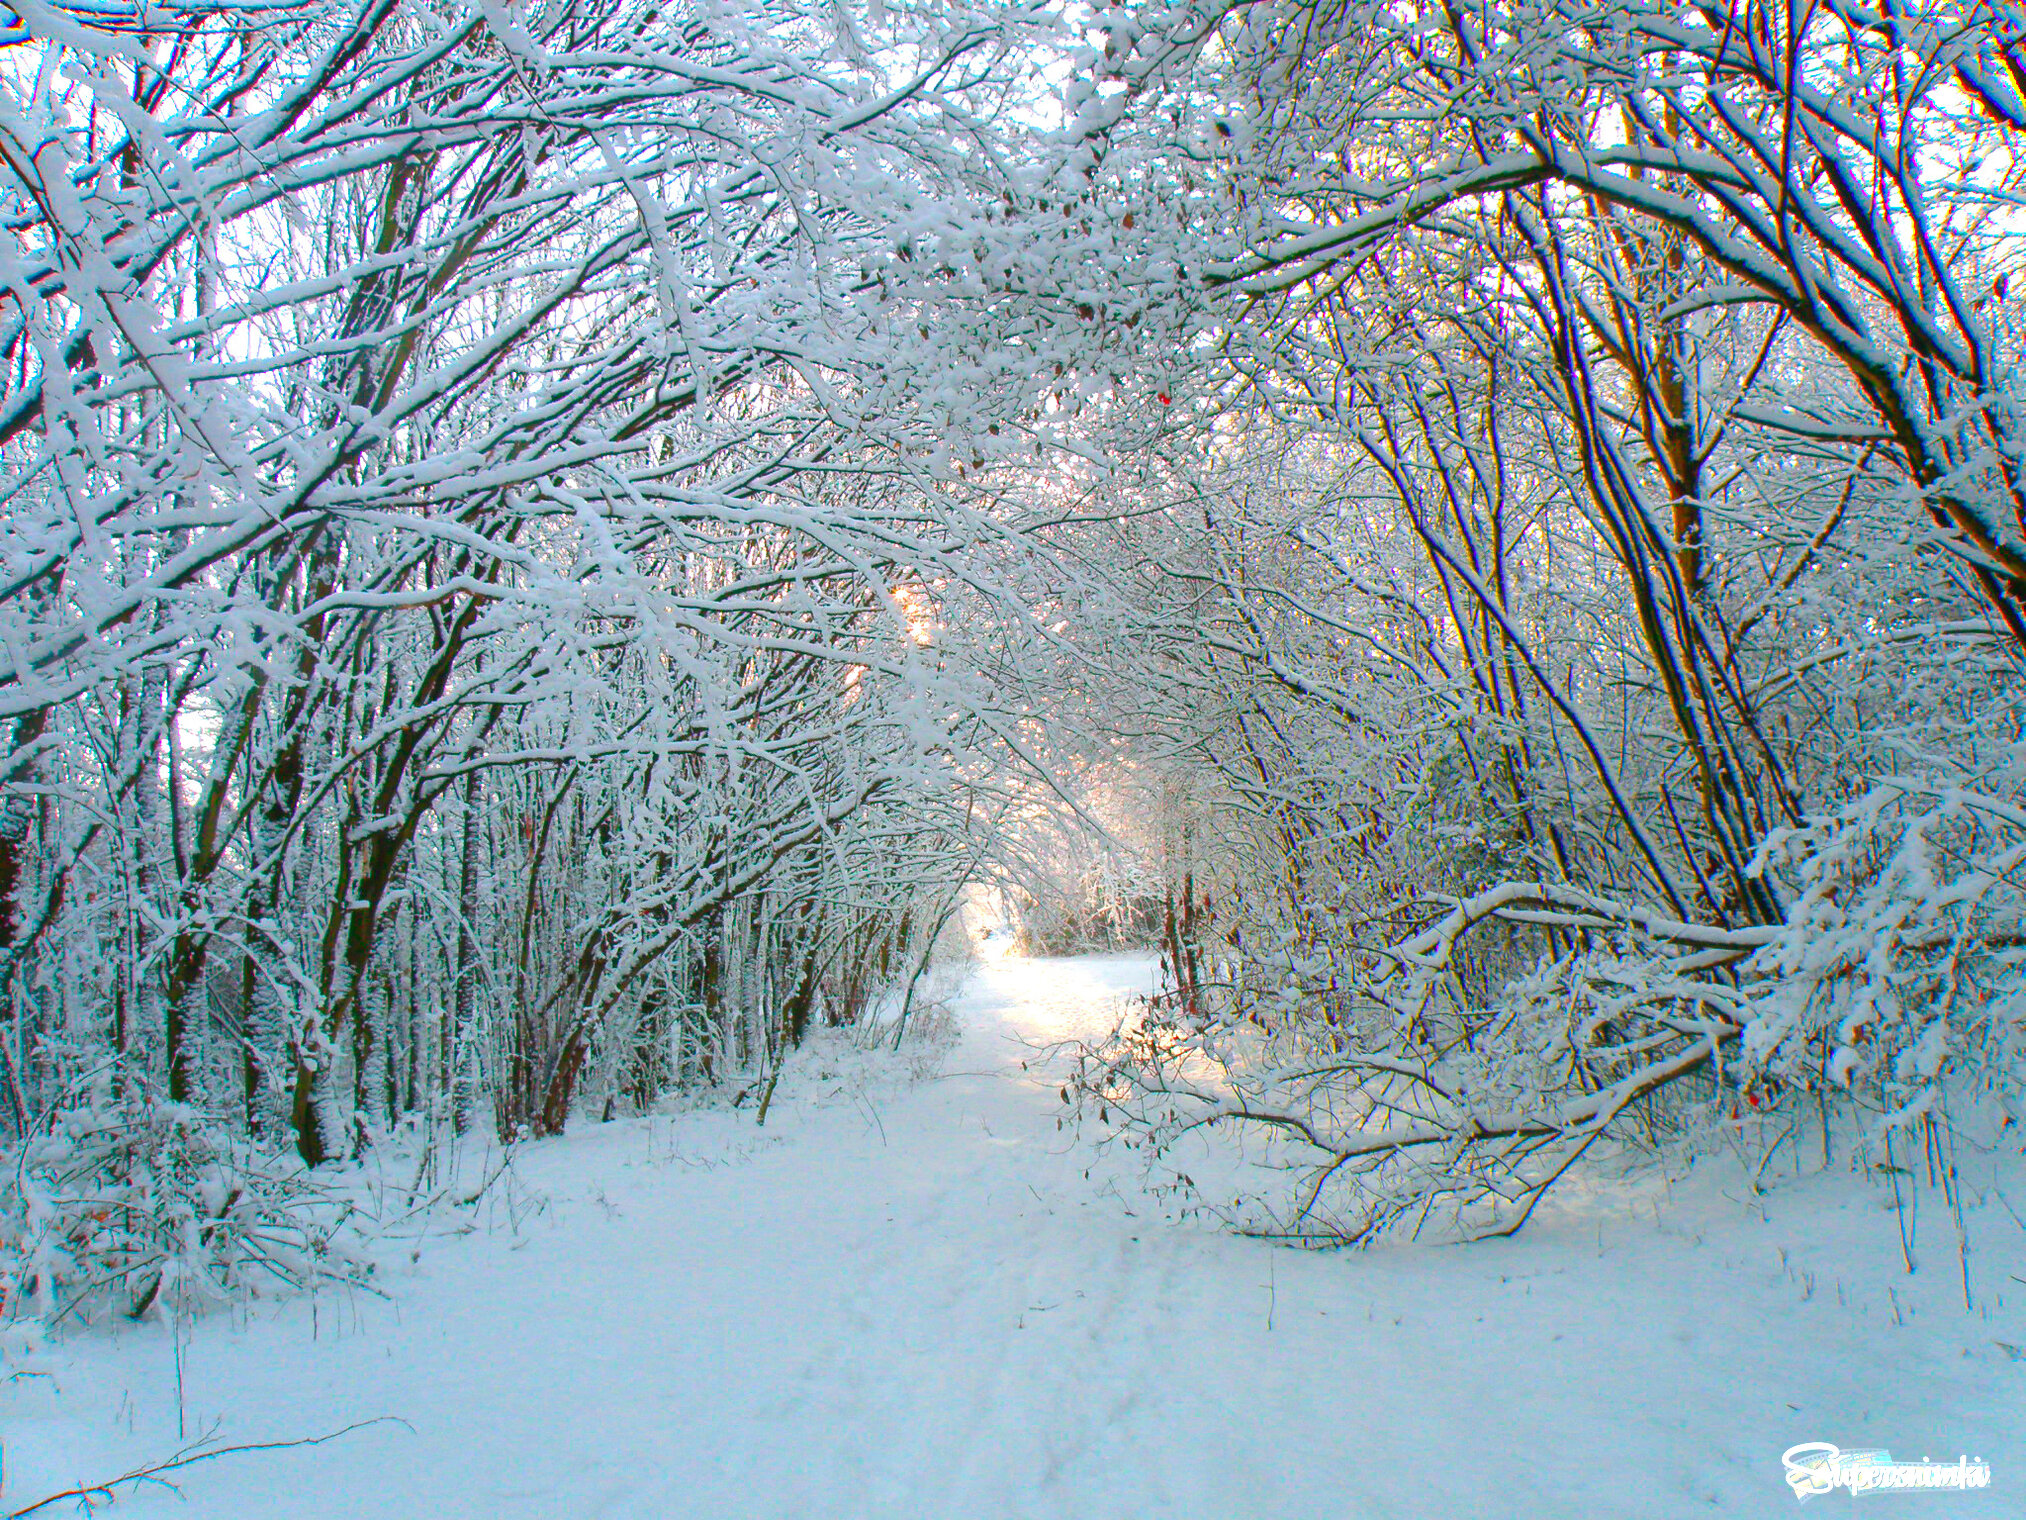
(909, 1302)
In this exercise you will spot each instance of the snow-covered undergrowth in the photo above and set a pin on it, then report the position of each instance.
(128, 1203)
(847, 1067)
(125, 1206)
(1406, 1085)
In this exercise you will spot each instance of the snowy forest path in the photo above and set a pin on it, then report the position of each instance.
(922, 1299)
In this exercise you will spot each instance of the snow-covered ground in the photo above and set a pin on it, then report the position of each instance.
(906, 1300)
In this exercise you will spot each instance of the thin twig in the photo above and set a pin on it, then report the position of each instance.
(89, 1492)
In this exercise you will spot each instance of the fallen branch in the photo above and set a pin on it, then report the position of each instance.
(89, 1494)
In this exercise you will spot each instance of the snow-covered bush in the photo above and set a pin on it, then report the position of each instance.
(125, 1202)
(1898, 966)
